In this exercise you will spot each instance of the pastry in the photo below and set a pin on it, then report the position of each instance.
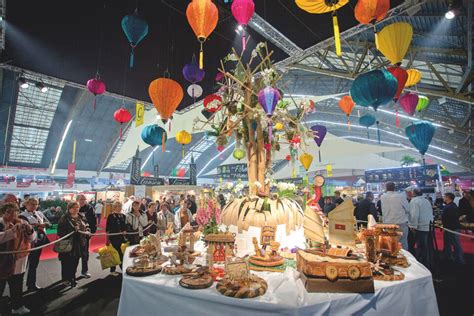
(253, 287)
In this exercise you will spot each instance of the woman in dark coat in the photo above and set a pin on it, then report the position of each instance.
(116, 224)
(70, 222)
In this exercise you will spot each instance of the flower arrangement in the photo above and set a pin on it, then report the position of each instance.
(286, 189)
(208, 216)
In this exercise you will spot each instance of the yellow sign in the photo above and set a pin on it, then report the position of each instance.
(329, 170)
(139, 114)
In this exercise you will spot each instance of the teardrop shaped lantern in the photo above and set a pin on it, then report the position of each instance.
(96, 87)
(402, 76)
(306, 160)
(414, 76)
(202, 15)
(367, 120)
(268, 98)
(239, 154)
(319, 133)
(135, 29)
(371, 11)
(166, 94)
(408, 102)
(420, 135)
(374, 88)
(347, 104)
(122, 115)
(423, 103)
(243, 10)
(393, 41)
(192, 73)
(183, 138)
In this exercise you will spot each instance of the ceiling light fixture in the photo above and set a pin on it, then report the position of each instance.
(88, 140)
(42, 87)
(454, 7)
(23, 83)
(61, 146)
(240, 28)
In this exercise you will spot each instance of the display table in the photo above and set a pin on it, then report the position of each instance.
(161, 295)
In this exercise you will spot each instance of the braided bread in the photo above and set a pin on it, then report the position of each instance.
(256, 286)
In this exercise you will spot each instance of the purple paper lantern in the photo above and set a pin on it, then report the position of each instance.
(268, 98)
(408, 103)
(192, 73)
(319, 132)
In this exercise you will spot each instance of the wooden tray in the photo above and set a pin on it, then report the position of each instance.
(194, 283)
(141, 272)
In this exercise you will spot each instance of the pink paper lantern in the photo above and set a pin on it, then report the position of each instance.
(408, 103)
(243, 10)
(96, 87)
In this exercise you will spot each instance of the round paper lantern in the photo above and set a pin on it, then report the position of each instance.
(279, 126)
(347, 104)
(414, 76)
(306, 160)
(212, 103)
(367, 120)
(192, 73)
(371, 11)
(408, 102)
(243, 10)
(288, 157)
(183, 138)
(239, 154)
(166, 94)
(420, 135)
(154, 135)
(393, 41)
(122, 115)
(319, 132)
(194, 91)
(135, 29)
(423, 103)
(268, 98)
(202, 15)
(374, 88)
(96, 87)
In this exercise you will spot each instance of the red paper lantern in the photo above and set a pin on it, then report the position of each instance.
(371, 11)
(402, 76)
(408, 102)
(288, 158)
(96, 87)
(122, 115)
(213, 103)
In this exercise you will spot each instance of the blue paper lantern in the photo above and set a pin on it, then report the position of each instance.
(420, 135)
(135, 29)
(367, 120)
(154, 135)
(374, 88)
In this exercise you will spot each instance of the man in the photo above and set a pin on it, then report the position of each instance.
(98, 210)
(23, 206)
(337, 198)
(88, 212)
(165, 218)
(450, 218)
(192, 204)
(364, 208)
(394, 211)
(421, 216)
(466, 206)
(39, 222)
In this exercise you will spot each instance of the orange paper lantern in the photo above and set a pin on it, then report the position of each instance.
(371, 11)
(202, 16)
(347, 104)
(166, 94)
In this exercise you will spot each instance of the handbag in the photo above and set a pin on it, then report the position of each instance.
(65, 245)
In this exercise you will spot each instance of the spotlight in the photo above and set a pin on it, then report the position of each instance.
(23, 83)
(240, 28)
(42, 87)
(453, 9)
(449, 15)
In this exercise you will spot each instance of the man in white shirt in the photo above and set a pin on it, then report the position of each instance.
(395, 210)
(421, 215)
(98, 210)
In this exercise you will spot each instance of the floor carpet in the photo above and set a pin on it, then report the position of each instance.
(467, 243)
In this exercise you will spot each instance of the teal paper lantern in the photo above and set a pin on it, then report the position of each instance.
(367, 120)
(154, 135)
(420, 135)
(374, 88)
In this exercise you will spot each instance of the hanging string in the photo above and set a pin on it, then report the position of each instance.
(101, 40)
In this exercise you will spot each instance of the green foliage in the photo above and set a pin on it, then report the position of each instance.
(48, 203)
(407, 161)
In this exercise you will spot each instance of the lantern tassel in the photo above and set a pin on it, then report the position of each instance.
(348, 123)
(244, 40)
(397, 118)
(120, 131)
(163, 143)
(337, 37)
(182, 151)
(95, 99)
(368, 136)
(319, 153)
(270, 131)
(378, 132)
(376, 38)
(132, 57)
(201, 58)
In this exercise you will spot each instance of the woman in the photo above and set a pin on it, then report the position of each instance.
(183, 216)
(135, 221)
(164, 217)
(73, 221)
(15, 234)
(116, 224)
(152, 219)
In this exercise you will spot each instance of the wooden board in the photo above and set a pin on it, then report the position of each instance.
(321, 285)
(194, 283)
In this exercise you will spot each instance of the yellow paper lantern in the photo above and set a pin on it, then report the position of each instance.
(306, 160)
(183, 138)
(393, 41)
(328, 170)
(279, 127)
(414, 76)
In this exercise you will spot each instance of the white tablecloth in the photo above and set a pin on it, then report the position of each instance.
(162, 295)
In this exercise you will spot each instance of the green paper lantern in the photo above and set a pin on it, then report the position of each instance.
(423, 103)
(239, 154)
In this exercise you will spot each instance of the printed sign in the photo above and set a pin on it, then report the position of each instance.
(139, 114)
(237, 270)
(421, 173)
(233, 171)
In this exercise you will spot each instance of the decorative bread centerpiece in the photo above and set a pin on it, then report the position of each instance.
(220, 246)
(182, 255)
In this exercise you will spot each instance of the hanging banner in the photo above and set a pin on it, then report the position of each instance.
(329, 170)
(71, 172)
(139, 114)
(140, 191)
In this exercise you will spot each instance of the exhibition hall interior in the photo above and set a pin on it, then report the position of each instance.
(230, 157)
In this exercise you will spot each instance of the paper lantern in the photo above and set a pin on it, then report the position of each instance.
(194, 91)
(393, 41)
(166, 94)
(135, 29)
(325, 6)
(154, 135)
(202, 15)
(243, 10)
(192, 73)
(319, 132)
(239, 154)
(288, 158)
(268, 98)
(371, 11)
(347, 104)
(183, 138)
(423, 103)
(279, 126)
(374, 88)
(367, 120)
(420, 135)
(401, 75)
(122, 115)
(414, 76)
(96, 87)
(212, 103)
(306, 160)
(408, 103)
